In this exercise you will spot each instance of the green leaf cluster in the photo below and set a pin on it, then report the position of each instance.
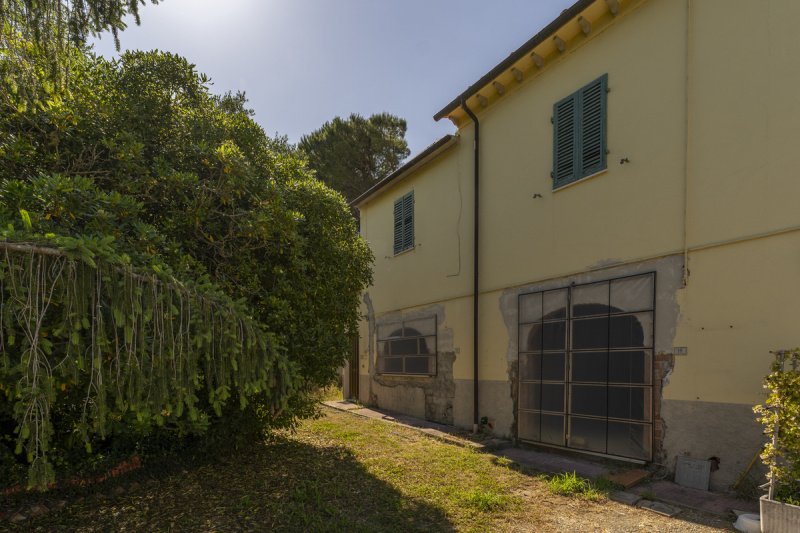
(41, 39)
(161, 255)
(780, 415)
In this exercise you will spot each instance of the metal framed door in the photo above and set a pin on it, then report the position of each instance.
(586, 367)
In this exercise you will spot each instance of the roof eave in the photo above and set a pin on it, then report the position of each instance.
(565, 16)
(424, 157)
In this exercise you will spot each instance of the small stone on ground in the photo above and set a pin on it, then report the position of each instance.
(495, 444)
(38, 510)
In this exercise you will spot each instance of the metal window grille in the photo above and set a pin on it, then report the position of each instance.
(408, 347)
(586, 367)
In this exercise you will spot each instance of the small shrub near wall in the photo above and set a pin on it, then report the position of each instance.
(780, 416)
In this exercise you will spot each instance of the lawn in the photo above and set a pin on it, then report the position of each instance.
(343, 472)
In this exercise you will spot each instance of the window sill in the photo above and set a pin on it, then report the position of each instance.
(407, 250)
(405, 376)
(585, 178)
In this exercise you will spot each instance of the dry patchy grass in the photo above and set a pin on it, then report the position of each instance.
(346, 473)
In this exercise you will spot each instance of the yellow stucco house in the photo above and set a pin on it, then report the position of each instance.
(604, 254)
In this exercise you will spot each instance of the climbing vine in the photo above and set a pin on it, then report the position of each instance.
(140, 346)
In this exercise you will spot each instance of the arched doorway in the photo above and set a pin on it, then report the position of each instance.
(585, 367)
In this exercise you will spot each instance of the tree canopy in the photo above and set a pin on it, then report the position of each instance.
(351, 154)
(159, 254)
(53, 30)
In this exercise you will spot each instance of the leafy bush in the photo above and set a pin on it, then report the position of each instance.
(160, 256)
(780, 416)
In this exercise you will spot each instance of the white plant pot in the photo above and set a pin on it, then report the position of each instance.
(778, 517)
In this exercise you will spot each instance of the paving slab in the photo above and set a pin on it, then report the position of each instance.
(699, 500)
(658, 507)
(553, 463)
(629, 478)
(627, 498)
(343, 405)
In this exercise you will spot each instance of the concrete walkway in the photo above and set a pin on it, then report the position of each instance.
(530, 460)
(699, 500)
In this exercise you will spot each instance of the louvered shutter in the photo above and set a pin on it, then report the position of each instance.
(404, 223)
(564, 140)
(579, 133)
(408, 221)
(398, 226)
(592, 128)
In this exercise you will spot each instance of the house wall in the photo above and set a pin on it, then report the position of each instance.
(742, 231)
(616, 216)
(706, 115)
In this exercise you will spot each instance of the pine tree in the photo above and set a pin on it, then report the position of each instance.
(351, 154)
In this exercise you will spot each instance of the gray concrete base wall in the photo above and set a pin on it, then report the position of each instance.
(405, 398)
(408, 400)
(462, 404)
(709, 429)
(495, 403)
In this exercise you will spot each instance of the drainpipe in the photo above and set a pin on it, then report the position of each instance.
(475, 256)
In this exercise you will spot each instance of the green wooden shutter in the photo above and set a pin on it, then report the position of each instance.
(398, 225)
(404, 223)
(408, 221)
(579, 133)
(592, 128)
(564, 129)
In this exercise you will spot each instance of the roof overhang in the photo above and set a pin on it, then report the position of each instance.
(428, 154)
(568, 31)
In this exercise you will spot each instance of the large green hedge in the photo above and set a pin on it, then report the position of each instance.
(174, 256)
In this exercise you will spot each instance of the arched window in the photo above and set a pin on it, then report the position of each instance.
(407, 347)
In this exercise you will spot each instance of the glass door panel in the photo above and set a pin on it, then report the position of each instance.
(586, 364)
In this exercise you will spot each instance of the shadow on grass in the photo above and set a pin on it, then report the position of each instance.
(282, 486)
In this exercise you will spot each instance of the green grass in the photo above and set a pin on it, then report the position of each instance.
(332, 393)
(486, 501)
(569, 484)
(342, 472)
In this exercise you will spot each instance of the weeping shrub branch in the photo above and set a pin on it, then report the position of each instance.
(141, 346)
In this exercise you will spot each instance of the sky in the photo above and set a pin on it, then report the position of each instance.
(304, 62)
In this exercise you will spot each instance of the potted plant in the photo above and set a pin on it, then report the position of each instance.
(780, 415)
